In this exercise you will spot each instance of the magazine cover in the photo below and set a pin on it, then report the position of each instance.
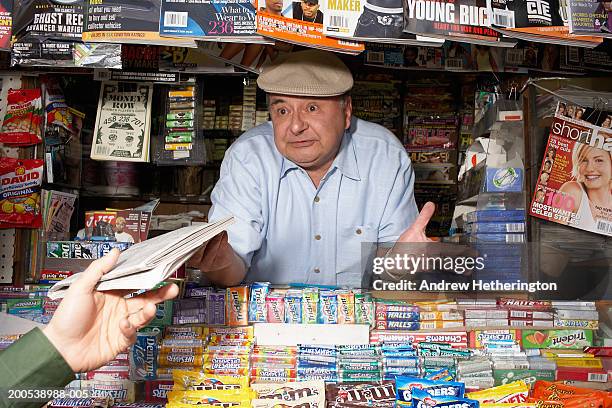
(44, 31)
(537, 20)
(425, 133)
(126, 21)
(404, 56)
(462, 20)
(210, 20)
(286, 20)
(575, 180)
(122, 130)
(599, 59)
(372, 20)
(590, 17)
(6, 24)
(250, 57)
(191, 60)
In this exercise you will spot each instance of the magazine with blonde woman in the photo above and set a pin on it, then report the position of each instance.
(575, 181)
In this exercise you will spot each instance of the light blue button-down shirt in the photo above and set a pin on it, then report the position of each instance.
(288, 230)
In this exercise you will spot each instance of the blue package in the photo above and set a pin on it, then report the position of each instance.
(506, 179)
(317, 350)
(257, 302)
(401, 371)
(143, 356)
(494, 227)
(405, 386)
(293, 307)
(327, 312)
(495, 216)
(423, 399)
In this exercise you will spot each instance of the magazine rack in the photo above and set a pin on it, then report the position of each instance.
(578, 261)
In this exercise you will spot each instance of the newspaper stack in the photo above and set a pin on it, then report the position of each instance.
(144, 265)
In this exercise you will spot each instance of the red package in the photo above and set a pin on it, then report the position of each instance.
(22, 125)
(20, 184)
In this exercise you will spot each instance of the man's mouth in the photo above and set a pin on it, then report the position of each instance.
(302, 143)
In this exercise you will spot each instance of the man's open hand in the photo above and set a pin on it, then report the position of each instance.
(90, 328)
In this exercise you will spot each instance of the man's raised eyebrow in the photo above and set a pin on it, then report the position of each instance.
(277, 101)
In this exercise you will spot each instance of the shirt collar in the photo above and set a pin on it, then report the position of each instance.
(345, 161)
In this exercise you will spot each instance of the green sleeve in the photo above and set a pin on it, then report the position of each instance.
(32, 362)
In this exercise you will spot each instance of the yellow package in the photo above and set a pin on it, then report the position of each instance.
(196, 380)
(514, 392)
(246, 404)
(508, 405)
(219, 398)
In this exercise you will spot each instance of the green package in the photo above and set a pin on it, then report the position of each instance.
(557, 339)
(180, 115)
(17, 306)
(502, 377)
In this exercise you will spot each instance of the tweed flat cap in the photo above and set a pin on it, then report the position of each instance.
(306, 73)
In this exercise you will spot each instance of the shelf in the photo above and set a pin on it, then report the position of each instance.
(198, 200)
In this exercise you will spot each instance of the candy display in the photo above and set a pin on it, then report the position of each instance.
(209, 354)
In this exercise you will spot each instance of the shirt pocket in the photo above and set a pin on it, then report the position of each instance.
(354, 247)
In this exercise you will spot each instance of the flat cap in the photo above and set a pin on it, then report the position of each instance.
(306, 73)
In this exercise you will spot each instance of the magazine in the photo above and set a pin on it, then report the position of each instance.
(367, 21)
(145, 265)
(57, 209)
(122, 130)
(127, 21)
(6, 24)
(191, 60)
(599, 59)
(574, 181)
(210, 20)
(285, 20)
(590, 17)
(452, 57)
(250, 57)
(463, 20)
(44, 31)
(536, 20)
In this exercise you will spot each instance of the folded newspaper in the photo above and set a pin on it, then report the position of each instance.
(144, 265)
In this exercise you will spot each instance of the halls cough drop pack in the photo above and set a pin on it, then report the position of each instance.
(20, 184)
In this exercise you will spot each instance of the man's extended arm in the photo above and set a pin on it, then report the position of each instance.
(218, 260)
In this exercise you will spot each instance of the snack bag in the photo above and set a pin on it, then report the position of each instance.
(219, 398)
(23, 120)
(20, 186)
(514, 392)
(196, 380)
(552, 391)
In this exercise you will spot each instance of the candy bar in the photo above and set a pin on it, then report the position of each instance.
(328, 308)
(366, 394)
(397, 325)
(422, 399)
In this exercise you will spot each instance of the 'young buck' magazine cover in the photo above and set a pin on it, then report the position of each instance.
(461, 20)
(575, 180)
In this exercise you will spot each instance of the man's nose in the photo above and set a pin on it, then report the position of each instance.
(298, 123)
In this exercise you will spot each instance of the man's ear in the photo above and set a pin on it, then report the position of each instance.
(348, 111)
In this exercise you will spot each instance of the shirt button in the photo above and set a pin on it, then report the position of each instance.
(318, 237)
(317, 270)
(317, 199)
(358, 231)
